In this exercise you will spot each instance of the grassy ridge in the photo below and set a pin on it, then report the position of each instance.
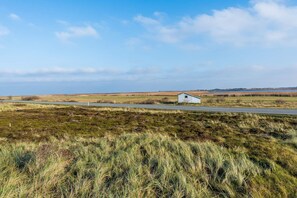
(144, 165)
(207, 154)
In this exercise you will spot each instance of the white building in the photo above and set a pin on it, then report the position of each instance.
(187, 98)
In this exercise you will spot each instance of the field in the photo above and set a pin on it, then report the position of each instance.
(230, 99)
(56, 151)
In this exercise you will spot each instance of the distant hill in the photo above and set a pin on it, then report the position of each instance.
(252, 89)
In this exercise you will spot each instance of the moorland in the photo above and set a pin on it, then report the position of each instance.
(57, 151)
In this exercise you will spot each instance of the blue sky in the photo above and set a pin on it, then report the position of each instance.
(66, 46)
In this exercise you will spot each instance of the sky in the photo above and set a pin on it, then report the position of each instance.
(66, 46)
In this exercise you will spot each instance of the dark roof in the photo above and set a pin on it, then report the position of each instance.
(188, 95)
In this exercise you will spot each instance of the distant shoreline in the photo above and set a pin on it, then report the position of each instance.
(286, 89)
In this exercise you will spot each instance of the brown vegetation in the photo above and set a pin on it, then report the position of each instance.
(79, 152)
(106, 101)
(30, 98)
(70, 101)
(149, 101)
(228, 99)
(220, 100)
(280, 101)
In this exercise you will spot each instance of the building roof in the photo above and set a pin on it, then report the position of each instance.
(189, 95)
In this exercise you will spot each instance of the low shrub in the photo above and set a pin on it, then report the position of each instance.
(106, 101)
(238, 100)
(220, 99)
(149, 101)
(30, 98)
(280, 101)
(70, 101)
(210, 100)
(19, 105)
(166, 100)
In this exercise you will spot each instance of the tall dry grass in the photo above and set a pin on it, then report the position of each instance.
(138, 165)
(17, 106)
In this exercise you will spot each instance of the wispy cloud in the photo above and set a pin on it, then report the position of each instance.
(138, 43)
(195, 75)
(14, 17)
(79, 74)
(160, 15)
(73, 32)
(62, 22)
(157, 78)
(4, 31)
(266, 22)
(57, 71)
(158, 31)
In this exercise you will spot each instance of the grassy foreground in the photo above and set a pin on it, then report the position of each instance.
(90, 152)
(143, 165)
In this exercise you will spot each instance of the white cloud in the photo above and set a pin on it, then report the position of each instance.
(159, 31)
(230, 25)
(265, 22)
(160, 15)
(146, 21)
(77, 32)
(14, 17)
(4, 31)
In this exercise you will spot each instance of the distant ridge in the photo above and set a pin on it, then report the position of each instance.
(253, 89)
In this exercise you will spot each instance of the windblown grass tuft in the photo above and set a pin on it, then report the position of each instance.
(132, 165)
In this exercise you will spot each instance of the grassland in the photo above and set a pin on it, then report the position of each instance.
(126, 166)
(235, 99)
(101, 152)
(4, 107)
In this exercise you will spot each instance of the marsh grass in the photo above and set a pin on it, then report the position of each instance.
(131, 165)
(292, 140)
